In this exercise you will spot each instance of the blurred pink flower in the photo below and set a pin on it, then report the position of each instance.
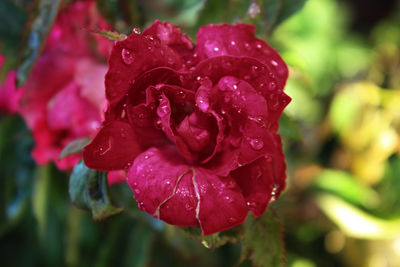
(9, 95)
(63, 98)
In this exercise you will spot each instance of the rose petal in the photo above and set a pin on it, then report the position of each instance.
(132, 57)
(239, 40)
(222, 205)
(114, 148)
(116, 177)
(171, 36)
(166, 187)
(154, 178)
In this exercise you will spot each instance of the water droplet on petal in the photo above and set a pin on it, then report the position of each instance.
(272, 86)
(256, 143)
(163, 110)
(216, 49)
(123, 114)
(254, 68)
(127, 56)
(136, 31)
(259, 46)
(157, 124)
(231, 184)
(228, 83)
(232, 220)
(268, 158)
(127, 165)
(251, 205)
(233, 43)
(274, 63)
(188, 207)
(141, 206)
(274, 192)
(258, 120)
(137, 191)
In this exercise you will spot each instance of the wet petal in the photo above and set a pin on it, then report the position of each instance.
(261, 181)
(114, 148)
(158, 176)
(132, 57)
(239, 40)
(222, 204)
(169, 189)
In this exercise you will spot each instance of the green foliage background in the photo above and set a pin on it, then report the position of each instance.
(341, 137)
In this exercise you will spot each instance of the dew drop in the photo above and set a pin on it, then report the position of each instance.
(127, 165)
(256, 143)
(274, 192)
(254, 68)
(163, 110)
(258, 120)
(247, 46)
(137, 191)
(216, 49)
(274, 63)
(259, 46)
(141, 206)
(157, 124)
(188, 207)
(232, 220)
(251, 205)
(123, 114)
(136, 31)
(228, 83)
(230, 184)
(272, 86)
(202, 103)
(268, 158)
(127, 56)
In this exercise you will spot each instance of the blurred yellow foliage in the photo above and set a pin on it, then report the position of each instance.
(366, 118)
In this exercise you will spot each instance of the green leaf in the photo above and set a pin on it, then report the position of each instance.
(215, 240)
(139, 250)
(355, 222)
(263, 240)
(74, 147)
(114, 36)
(288, 128)
(346, 186)
(41, 20)
(12, 24)
(88, 190)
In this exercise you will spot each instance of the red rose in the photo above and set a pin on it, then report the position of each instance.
(63, 98)
(196, 126)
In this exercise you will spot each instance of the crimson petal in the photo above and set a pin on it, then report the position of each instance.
(169, 189)
(114, 148)
(239, 40)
